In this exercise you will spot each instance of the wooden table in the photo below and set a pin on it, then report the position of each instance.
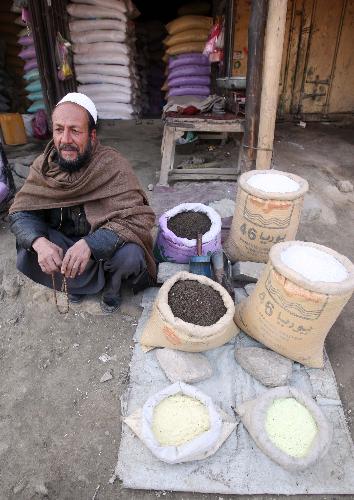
(174, 128)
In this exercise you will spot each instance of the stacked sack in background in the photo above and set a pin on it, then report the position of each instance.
(12, 83)
(151, 68)
(188, 68)
(104, 55)
(31, 75)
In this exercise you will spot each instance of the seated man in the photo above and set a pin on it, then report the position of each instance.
(82, 213)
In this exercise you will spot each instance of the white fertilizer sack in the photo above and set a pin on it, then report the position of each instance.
(104, 69)
(98, 78)
(114, 107)
(99, 47)
(111, 4)
(115, 115)
(94, 25)
(91, 12)
(102, 58)
(273, 183)
(98, 36)
(314, 264)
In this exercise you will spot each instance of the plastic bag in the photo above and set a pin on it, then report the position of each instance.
(63, 57)
(182, 60)
(253, 414)
(36, 106)
(40, 125)
(214, 48)
(228, 425)
(198, 445)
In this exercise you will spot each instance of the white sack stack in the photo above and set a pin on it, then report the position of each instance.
(104, 55)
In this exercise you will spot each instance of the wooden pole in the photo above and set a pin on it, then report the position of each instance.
(274, 41)
(256, 30)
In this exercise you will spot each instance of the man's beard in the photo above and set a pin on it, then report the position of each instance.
(74, 165)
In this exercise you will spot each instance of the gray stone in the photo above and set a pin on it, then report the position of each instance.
(240, 294)
(150, 187)
(183, 366)
(168, 269)
(250, 287)
(106, 376)
(311, 210)
(268, 367)
(345, 186)
(247, 271)
(224, 207)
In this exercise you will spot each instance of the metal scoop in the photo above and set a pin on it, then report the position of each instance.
(200, 264)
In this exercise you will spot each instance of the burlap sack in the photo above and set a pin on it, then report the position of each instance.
(253, 414)
(291, 314)
(187, 36)
(262, 219)
(185, 23)
(185, 48)
(163, 329)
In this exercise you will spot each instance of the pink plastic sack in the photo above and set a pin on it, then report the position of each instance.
(40, 125)
(190, 90)
(189, 80)
(189, 71)
(26, 40)
(172, 248)
(31, 64)
(28, 53)
(194, 58)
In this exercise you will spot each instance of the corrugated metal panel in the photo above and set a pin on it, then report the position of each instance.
(48, 18)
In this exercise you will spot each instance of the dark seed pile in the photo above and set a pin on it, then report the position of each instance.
(196, 303)
(189, 224)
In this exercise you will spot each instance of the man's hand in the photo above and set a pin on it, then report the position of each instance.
(50, 256)
(76, 259)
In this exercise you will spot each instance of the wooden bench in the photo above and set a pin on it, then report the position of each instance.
(174, 128)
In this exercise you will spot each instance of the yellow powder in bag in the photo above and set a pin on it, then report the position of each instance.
(290, 426)
(179, 419)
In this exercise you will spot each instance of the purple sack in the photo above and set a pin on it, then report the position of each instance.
(28, 53)
(186, 59)
(172, 248)
(31, 64)
(189, 91)
(189, 80)
(26, 40)
(189, 71)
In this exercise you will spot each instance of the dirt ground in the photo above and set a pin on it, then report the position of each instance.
(59, 425)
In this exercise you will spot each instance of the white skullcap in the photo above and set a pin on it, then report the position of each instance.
(81, 100)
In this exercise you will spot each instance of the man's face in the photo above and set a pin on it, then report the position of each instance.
(71, 135)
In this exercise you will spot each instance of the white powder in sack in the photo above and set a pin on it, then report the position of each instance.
(314, 264)
(273, 183)
(179, 419)
(290, 426)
